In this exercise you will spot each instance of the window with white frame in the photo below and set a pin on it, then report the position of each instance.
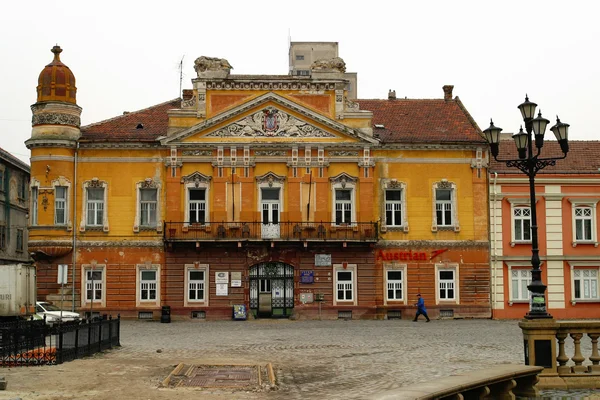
(585, 284)
(447, 283)
(395, 284)
(443, 207)
(196, 285)
(197, 206)
(445, 212)
(94, 285)
(393, 207)
(95, 206)
(343, 206)
(522, 224)
(345, 286)
(34, 205)
(148, 285)
(584, 221)
(520, 278)
(60, 205)
(148, 202)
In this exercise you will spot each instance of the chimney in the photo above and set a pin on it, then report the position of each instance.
(188, 94)
(392, 95)
(448, 92)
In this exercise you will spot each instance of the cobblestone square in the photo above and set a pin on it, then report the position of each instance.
(312, 359)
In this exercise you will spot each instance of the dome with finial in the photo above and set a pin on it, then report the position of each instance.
(56, 81)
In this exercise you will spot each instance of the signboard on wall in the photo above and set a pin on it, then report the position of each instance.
(222, 277)
(307, 276)
(221, 289)
(322, 260)
(236, 279)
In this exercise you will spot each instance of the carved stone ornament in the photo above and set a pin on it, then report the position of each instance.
(148, 183)
(444, 185)
(352, 105)
(270, 85)
(334, 64)
(270, 122)
(393, 184)
(203, 63)
(270, 178)
(55, 119)
(343, 153)
(95, 183)
(343, 179)
(204, 153)
(270, 153)
(196, 178)
(190, 103)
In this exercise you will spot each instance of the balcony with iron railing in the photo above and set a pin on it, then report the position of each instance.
(258, 231)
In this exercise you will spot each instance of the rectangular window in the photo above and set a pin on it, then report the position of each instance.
(60, 205)
(148, 198)
(522, 221)
(95, 206)
(195, 285)
(19, 239)
(197, 206)
(2, 180)
(321, 173)
(583, 224)
(443, 207)
(246, 172)
(22, 188)
(264, 286)
(93, 285)
(366, 172)
(34, 205)
(585, 284)
(446, 284)
(2, 237)
(220, 172)
(393, 207)
(148, 285)
(520, 279)
(299, 57)
(344, 286)
(302, 72)
(394, 284)
(343, 206)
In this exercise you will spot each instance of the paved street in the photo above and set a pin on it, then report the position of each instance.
(312, 359)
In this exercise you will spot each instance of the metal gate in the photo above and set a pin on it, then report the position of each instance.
(272, 289)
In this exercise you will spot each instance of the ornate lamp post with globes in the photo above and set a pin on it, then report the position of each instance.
(530, 162)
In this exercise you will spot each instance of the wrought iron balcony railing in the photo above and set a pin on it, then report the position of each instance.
(283, 231)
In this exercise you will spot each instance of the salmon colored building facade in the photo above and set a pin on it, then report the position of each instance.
(567, 197)
(275, 192)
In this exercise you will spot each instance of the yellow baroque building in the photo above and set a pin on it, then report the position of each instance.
(277, 195)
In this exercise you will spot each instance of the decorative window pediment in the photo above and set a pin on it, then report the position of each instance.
(343, 180)
(196, 178)
(270, 178)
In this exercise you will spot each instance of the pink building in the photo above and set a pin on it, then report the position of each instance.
(567, 197)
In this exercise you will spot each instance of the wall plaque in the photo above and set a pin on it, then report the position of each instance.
(236, 279)
(221, 289)
(322, 260)
(222, 277)
(307, 276)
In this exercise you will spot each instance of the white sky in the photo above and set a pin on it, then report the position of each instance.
(125, 54)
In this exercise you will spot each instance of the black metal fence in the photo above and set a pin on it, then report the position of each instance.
(33, 342)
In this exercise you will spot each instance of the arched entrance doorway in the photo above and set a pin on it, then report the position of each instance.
(272, 289)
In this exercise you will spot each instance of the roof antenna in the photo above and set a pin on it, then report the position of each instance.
(181, 76)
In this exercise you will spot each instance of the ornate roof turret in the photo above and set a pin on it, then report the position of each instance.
(56, 81)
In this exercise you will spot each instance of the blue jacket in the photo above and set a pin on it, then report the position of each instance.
(421, 304)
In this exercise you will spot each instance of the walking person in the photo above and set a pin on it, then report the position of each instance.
(421, 308)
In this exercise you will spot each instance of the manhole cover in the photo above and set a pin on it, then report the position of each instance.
(221, 376)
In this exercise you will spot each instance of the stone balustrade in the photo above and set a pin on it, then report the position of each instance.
(498, 383)
(579, 368)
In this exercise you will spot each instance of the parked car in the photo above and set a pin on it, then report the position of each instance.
(53, 314)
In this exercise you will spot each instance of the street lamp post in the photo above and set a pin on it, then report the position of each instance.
(530, 162)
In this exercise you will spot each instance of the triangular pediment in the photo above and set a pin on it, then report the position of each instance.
(266, 118)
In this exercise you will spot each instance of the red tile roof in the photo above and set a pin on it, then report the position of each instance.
(404, 121)
(422, 121)
(124, 128)
(583, 158)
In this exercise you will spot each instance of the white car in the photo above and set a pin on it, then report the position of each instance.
(53, 313)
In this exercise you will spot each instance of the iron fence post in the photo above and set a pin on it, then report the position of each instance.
(100, 322)
(118, 329)
(110, 331)
(89, 345)
(59, 348)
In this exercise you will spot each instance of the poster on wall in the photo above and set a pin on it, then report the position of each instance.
(221, 289)
(322, 260)
(236, 279)
(222, 277)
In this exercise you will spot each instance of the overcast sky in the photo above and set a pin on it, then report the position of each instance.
(125, 54)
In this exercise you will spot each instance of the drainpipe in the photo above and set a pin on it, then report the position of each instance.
(494, 250)
(74, 224)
